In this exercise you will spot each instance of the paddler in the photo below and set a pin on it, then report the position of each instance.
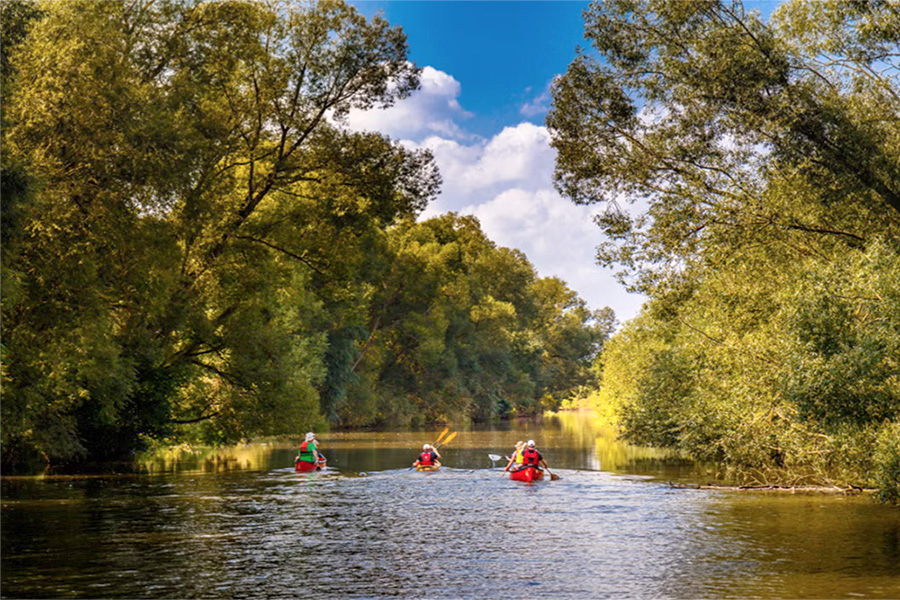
(309, 451)
(516, 457)
(428, 458)
(532, 458)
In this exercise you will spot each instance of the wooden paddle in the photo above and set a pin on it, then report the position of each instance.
(553, 476)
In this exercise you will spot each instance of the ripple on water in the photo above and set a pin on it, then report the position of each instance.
(454, 533)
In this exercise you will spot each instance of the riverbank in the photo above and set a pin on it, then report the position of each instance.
(797, 489)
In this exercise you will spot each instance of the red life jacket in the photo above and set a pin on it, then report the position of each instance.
(531, 457)
(303, 446)
(426, 458)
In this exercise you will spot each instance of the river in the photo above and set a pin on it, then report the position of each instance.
(241, 523)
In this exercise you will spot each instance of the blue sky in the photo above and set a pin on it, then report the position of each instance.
(505, 53)
(487, 66)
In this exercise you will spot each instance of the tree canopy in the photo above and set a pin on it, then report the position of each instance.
(763, 162)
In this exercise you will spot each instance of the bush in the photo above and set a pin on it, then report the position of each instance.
(887, 463)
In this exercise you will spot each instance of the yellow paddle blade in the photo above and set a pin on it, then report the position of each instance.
(443, 433)
(449, 437)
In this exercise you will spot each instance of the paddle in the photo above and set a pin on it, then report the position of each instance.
(447, 441)
(553, 476)
(443, 433)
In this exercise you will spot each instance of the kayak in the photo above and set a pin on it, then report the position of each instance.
(527, 474)
(303, 466)
(428, 467)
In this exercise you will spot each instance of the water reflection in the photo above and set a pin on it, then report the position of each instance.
(568, 440)
(462, 532)
(451, 534)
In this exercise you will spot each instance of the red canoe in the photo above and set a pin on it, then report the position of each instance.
(527, 474)
(302, 466)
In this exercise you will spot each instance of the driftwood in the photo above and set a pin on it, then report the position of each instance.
(819, 489)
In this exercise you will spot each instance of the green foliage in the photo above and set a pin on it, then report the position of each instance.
(887, 463)
(460, 326)
(767, 155)
(177, 211)
(701, 108)
(196, 248)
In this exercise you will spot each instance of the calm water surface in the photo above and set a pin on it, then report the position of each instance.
(242, 524)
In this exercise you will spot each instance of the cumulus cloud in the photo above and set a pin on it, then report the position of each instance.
(507, 183)
(432, 109)
(517, 154)
(517, 157)
(558, 237)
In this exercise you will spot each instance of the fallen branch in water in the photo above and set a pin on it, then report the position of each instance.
(849, 491)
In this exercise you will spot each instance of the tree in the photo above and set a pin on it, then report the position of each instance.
(768, 159)
(701, 109)
(458, 325)
(188, 168)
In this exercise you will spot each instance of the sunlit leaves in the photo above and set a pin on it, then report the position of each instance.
(189, 215)
(765, 159)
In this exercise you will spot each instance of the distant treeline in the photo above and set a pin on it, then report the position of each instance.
(195, 249)
(764, 158)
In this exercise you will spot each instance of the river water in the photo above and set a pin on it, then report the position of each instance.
(241, 524)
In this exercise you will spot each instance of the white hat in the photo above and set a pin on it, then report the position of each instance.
(426, 446)
(310, 436)
(530, 443)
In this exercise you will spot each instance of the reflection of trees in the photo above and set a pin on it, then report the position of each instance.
(76, 536)
(569, 440)
(798, 546)
(250, 457)
(607, 452)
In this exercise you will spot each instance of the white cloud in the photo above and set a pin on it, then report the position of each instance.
(518, 156)
(507, 182)
(433, 109)
(559, 239)
(537, 106)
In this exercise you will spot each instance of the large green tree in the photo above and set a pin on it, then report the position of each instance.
(188, 195)
(701, 108)
(763, 159)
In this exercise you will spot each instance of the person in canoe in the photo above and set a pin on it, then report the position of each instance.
(516, 457)
(308, 457)
(531, 457)
(428, 458)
